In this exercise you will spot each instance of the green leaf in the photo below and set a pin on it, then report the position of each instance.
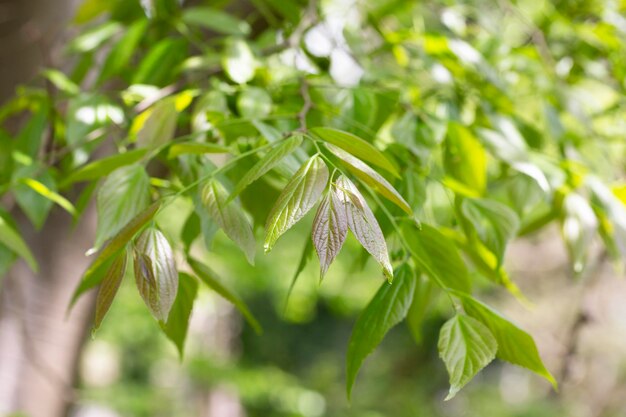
(266, 163)
(229, 217)
(363, 223)
(372, 178)
(579, 228)
(155, 272)
(35, 206)
(355, 146)
(215, 20)
(11, 238)
(495, 223)
(254, 103)
(388, 308)
(239, 61)
(104, 166)
(178, 321)
(159, 67)
(209, 277)
(94, 37)
(330, 229)
(196, 148)
(299, 196)
(157, 125)
(108, 289)
(124, 194)
(304, 258)
(44, 191)
(514, 344)
(437, 256)
(465, 159)
(419, 307)
(123, 51)
(466, 346)
(61, 81)
(95, 272)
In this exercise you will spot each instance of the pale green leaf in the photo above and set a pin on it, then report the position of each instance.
(298, 197)
(44, 191)
(239, 61)
(465, 158)
(254, 103)
(466, 346)
(196, 148)
(215, 20)
(104, 166)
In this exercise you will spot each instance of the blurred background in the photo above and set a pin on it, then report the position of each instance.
(51, 366)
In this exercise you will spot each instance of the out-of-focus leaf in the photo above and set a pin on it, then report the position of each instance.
(495, 223)
(196, 148)
(159, 67)
(579, 227)
(266, 163)
(210, 278)
(330, 229)
(229, 217)
(514, 345)
(254, 103)
(388, 308)
(61, 81)
(355, 146)
(90, 9)
(298, 197)
(35, 206)
(465, 158)
(215, 20)
(178, 321)
(11, 238)
(104, 166)
(28, 140)
(157, 125)
(123, 195)
(419, 307)
(96, 270)
(373, 179)
(466, 346)
(155, 272)
(437, 256)
(55, 197)
(304, 258)
(363, 223)
(94, 37)
(239, 61)
(123, 51)
(108, 289)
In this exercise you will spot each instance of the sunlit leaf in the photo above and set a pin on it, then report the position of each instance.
(157, 125)
(210, 278)
(466, 346)
(254, 103)
(298, 197)
(41, 189)
(388, 308)
(363, 224)
(155, 272)
(239, 61)
(465, 158)
(229, 217)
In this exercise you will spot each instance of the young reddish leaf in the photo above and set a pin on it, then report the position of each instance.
(372, 178)
(229, 217)
(356, 146)
(155, 272)
(363, 224)
(108, 289)
(298, 197)
(330, 229)
(269, 161)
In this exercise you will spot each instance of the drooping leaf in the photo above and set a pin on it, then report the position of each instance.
(196, 148)
(229, 217)
(466, 346)
(388, 308)
(355, 146)
(239, 62)
(124, 194)
(363, 223)
(96, 270)
(109, 286)
(104, 166)
(266, 163)
(370, 177)
(215, 20)
(155, 272)
(465, 158)
(33, 204)
(495, 223)
(514, 344)
(209, 277)
(298, 197)
(330, 229)
(437, 256)
(12, 239)
(123, 50)
(46, 192)
(178, 321)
